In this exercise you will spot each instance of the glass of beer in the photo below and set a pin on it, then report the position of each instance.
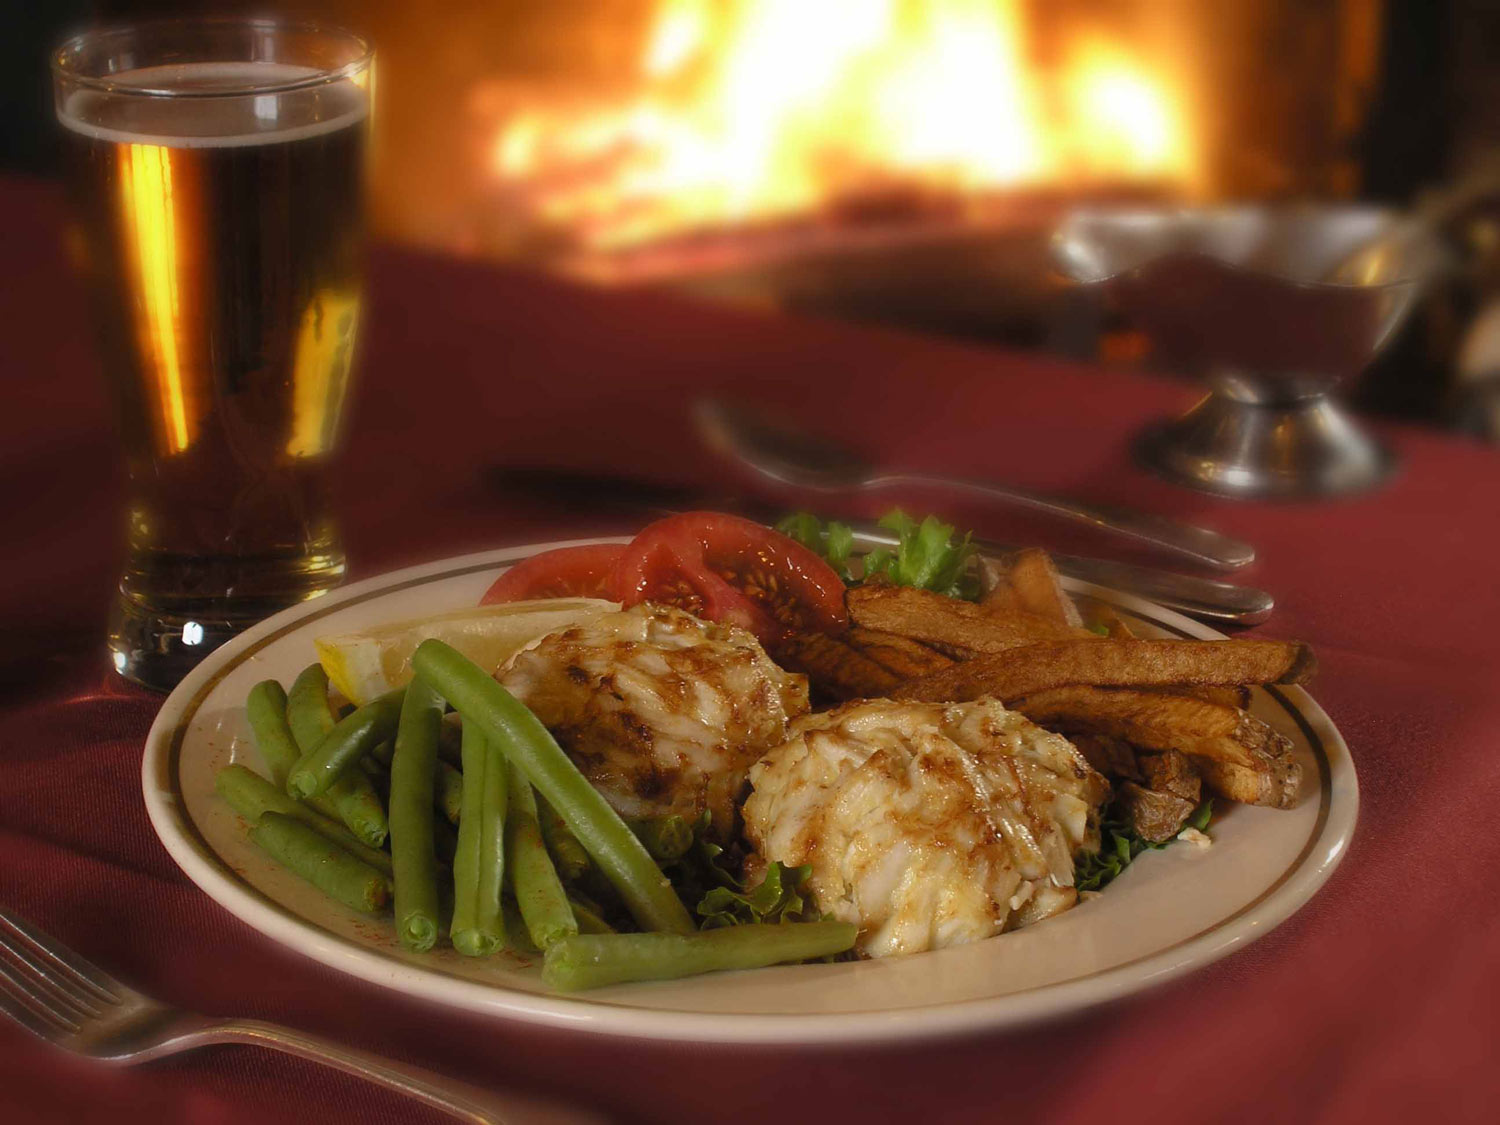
(217, 169)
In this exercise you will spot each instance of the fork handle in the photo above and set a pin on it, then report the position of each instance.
(467, 1103)
(1202, 545)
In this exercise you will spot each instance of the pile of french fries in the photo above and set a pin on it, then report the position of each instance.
(1165, 720)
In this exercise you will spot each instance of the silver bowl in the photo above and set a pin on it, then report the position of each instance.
(1273, 308)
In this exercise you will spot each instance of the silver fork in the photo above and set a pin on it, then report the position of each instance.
(70, 1002)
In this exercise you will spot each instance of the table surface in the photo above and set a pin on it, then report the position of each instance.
(1378, 1001)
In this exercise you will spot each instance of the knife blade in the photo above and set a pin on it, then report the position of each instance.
(1207, 599)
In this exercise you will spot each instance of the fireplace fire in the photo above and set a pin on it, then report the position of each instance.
(897, 159)
(755, 112)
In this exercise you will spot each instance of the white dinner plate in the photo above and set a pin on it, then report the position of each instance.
(1170, 912)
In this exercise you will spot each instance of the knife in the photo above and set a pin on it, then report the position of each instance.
(1204, 598)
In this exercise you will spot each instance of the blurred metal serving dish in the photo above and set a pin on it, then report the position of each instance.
(1273, 308)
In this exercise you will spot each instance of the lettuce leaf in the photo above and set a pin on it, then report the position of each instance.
(832, 541)
(927, 556)
(705, 876)
(778, 897)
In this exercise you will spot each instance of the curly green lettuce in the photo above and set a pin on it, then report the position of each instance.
(779, 897)
(832, 541)
(705, 875)
(928, 555)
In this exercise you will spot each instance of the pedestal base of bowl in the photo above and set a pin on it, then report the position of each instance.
(1234, 446)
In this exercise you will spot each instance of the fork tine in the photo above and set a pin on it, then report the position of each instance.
(74, 966)
(40, 974)
(54, 1020)
(24, 1016)
(45, 985)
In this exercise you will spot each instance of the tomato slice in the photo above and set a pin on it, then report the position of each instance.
(567, 572)
(724, 568)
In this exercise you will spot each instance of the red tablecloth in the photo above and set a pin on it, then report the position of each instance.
(1379, 1001)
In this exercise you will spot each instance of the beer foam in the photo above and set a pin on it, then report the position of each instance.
(240, 117)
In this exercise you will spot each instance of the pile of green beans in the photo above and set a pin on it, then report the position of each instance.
(251, 795)
(350, 739)
(527, 744)
(365, 807)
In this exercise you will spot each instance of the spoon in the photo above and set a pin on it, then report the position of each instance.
(798, 459)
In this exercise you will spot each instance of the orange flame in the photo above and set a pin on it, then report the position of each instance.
(760, 108)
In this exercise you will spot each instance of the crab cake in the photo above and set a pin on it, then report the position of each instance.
(926, 824)
(663, 713)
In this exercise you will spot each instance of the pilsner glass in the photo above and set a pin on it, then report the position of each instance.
(217, 170)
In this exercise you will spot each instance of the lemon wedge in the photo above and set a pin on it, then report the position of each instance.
(371, 662)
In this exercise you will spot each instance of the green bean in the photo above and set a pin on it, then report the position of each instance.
(591, 960)
(352, 796)
(308, 712)
(321, 862)
(479, 860)
(448, 785)
(572, 861)
(525, 742)
(251, 796)
(265, 707)
(268, 711)
(413, 852)
(666, 837)
(345, 744)
(360, 806)
(533, 880)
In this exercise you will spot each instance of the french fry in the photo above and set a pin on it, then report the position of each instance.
(1105, 663)
(835, 667)
(902, 656)
(957, 628)
(994, 581)
(1229, 695)
(1030, 583)
(1239, 756)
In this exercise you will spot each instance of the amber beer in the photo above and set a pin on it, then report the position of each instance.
(221, 223)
